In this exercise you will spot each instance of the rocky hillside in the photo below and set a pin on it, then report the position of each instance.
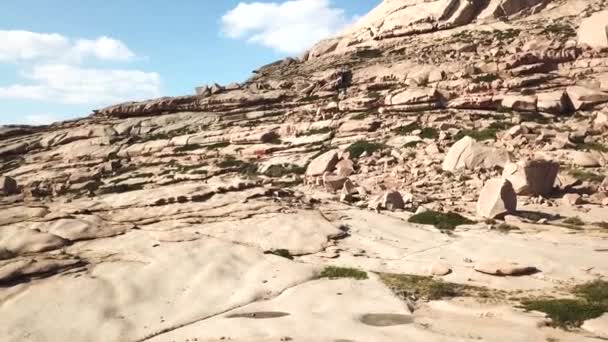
(436, 172)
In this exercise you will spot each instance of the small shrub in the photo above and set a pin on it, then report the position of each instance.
(407, 129)
(333, 272)
(594, 292)
(566, 313)
(407, 286)
(586, 176)
(505, 228)
(187, 148)
(361, 116)
(479, 135)
(277, 171)
(358, 148)
(322, 130)
(218, 145)
(429, 133)
(411, 144)
(441, 221)
(574, 221)
(485, 78)
(592, 147)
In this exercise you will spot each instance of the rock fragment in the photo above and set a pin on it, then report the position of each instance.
(503, 268)
(496, 198)
(8, 185)
(323, 163)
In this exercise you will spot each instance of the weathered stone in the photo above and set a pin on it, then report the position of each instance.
(496, 198)
(584, 98)
(594, 30)
(392, 200)
(345, 167)
(572, 199)
(585, 159)
(323, 163)
(504, 269)
(520, 103)
(468, 153)
(556, 102)
(534, 178)
(333, 183)
(440, 269)
(8, 185)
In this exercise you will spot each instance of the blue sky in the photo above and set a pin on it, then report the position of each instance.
(61, 59)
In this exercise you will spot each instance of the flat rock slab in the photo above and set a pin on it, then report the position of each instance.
(137, 287)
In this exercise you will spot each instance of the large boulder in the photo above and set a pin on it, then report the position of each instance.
(594, 30)
(467, 153)
(532, 177)
(496, 198)
(325, 162)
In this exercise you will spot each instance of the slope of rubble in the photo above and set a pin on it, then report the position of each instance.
(436, 172)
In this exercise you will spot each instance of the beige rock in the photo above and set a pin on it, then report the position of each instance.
(325, 162)
(23, 240)
(503, 268)
(8, 185)
(520, 103)
(601, 119)
(584, 98)
(345, 167)
(572, 199)
(333, 183)
(440, 269)
(556, 102)
(534, 178)
(468, 153)
(597, 326)
(496, 198)
(585, 159)
(594, 30)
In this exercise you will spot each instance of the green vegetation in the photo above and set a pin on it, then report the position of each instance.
(485, 78)
(586, 176)
(484, 134)
(218, 145)
(440, 220)
(563, 31)
(314, 131)
(508, 34)
(411, 144)
(358, 148)
(407, 286)
(187, 148)
(277, 171)
(333, 272)
(574, 221)
(407, 129)
(565, 313)
(591, 302)
(592, 147)
(244, 168)
(603, 225)
(360, 116)
(426, 132)
(505, 228)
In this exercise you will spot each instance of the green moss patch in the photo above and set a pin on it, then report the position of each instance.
(407, 286)
(360, 116)
(333, 272)
(591, 302)
(574, 221)
(277, 171)
(586, 176)
(443, 221)
(358, 148)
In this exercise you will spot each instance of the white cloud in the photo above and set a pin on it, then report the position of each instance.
(288, 27)
(103, 48)
(75, 85)
(20, 46)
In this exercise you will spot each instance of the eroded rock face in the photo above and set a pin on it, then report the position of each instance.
(323, 163)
